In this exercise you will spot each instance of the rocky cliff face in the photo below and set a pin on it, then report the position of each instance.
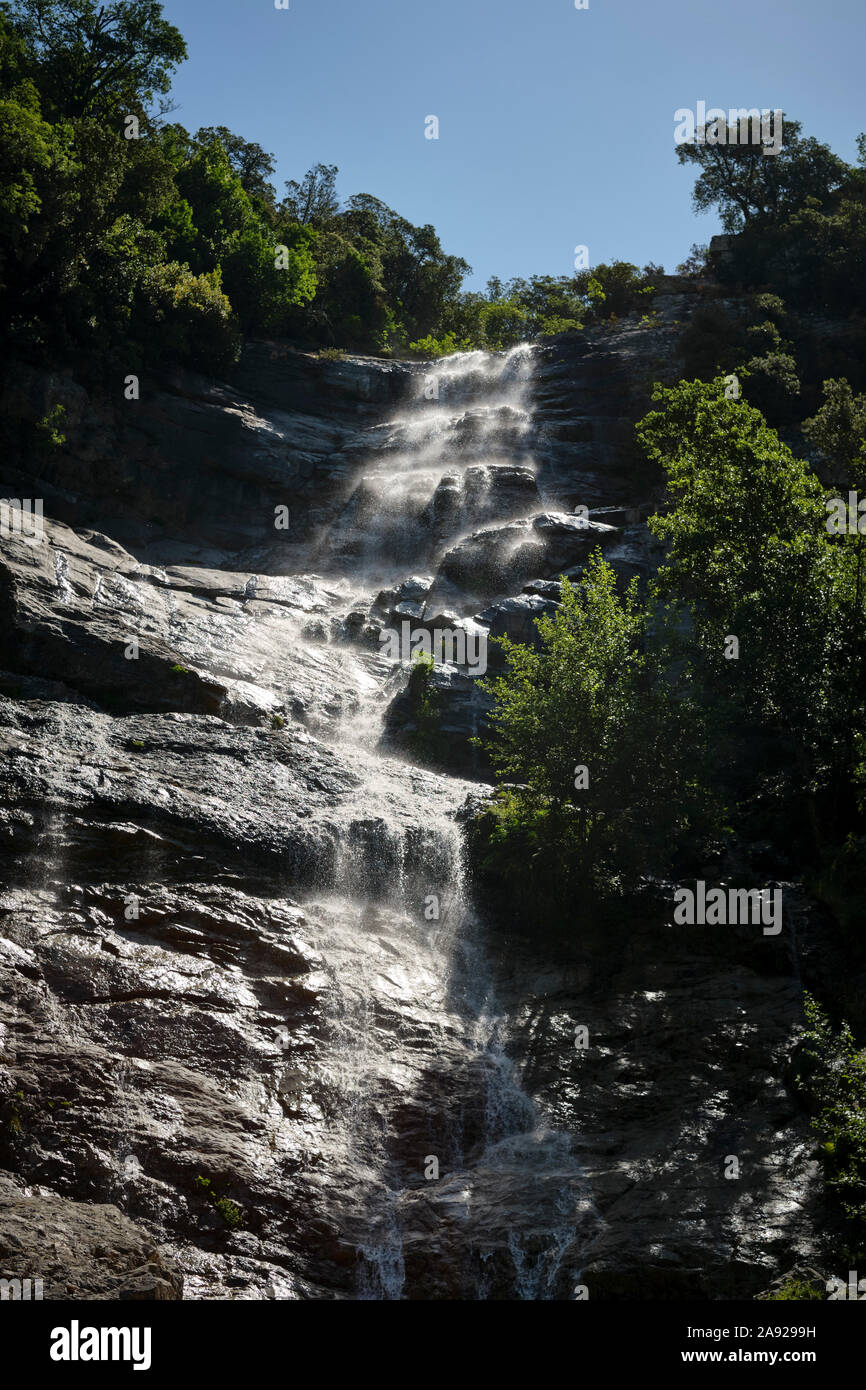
(256, 1041)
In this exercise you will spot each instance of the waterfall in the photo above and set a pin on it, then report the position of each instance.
(418, 1066)
(468, 415)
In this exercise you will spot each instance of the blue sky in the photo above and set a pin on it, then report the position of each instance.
(556, 124)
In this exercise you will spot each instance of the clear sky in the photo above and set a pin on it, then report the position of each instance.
(555, 124)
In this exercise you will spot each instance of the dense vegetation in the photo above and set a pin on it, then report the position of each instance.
(122, 234)
(794, 265)
(637, 740)
(627, 686)
(830, 1073)
(799, 218)
(598, 750)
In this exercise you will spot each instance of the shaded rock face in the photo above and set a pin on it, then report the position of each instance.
(704, 1180)
(82, 1250)
(204, 463)
(254, 1040)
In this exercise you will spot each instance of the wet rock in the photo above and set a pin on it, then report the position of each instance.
(495, 561)
(516, 619)
(498, 491)
(85, 613)
(545, 588)
(81, 1250)
(462, 710)
(446, 507)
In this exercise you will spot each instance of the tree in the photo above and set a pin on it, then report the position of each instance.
(503, 324)
(617, 288)
(350, 308)
(253, 165)
(266, 286)
(604, 750)
(749, 186)
(419, 279)
(799, 219)
(565, 702)
(191, 315)
(830, 1070)
(749, 557)
(313, 201)
(550, 303)
(220, 208)
(839, 431)
(93, 59)
(28, 150)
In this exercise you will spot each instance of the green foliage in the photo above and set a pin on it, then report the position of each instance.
(27, 150)
(639, 692)
(195, 317)
(570, 694)
(503, 324)
(431, 347)
(619, 288)
(526, 310)
(749, 187)
(49, 429)
(749, 555)
(263, 293)
(175, 244)
(229, 1211)
(838, 429)
(799, 218)
(553, 324)
(796, 1290)
(253, 166)
(417, 277)
(91, 59)
(350, 308)
(747, 340)
(426, 707)
(592, 696)
(313, 201)
(830, 1072)
(748, 551)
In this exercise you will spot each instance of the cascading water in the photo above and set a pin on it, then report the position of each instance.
(468, 416)
(453, 1166)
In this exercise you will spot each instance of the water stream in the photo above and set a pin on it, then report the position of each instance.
(454, 1169)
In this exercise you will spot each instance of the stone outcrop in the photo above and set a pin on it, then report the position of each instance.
(81, 1250)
